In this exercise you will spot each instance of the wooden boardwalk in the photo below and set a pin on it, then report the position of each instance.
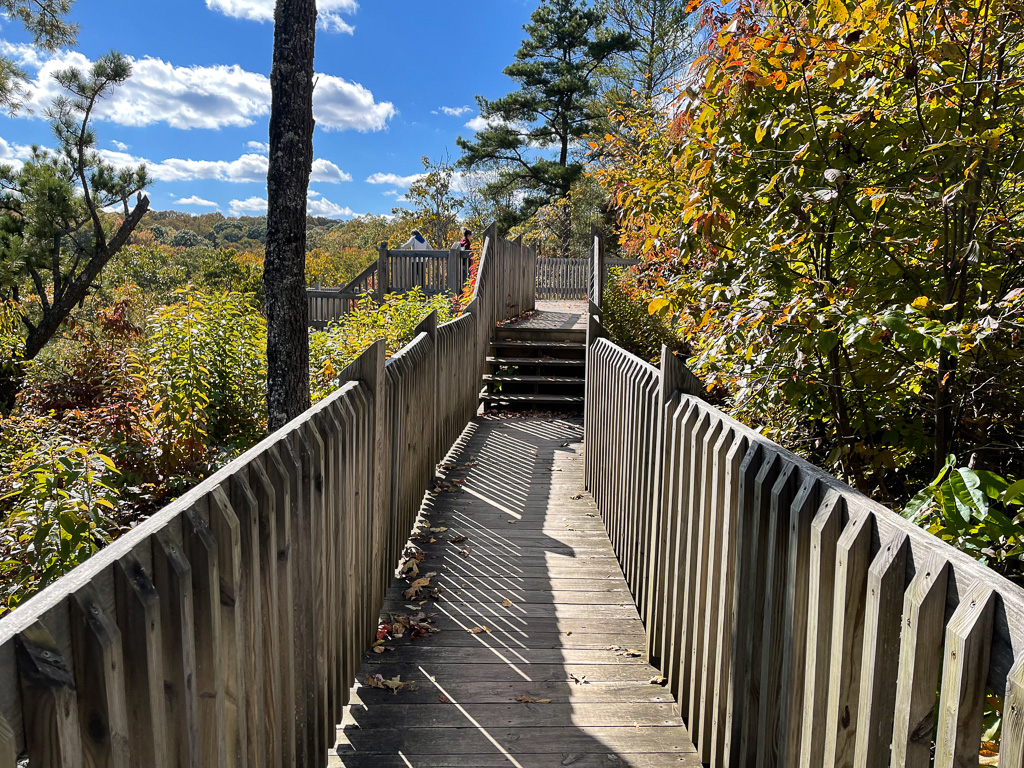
(538, 657)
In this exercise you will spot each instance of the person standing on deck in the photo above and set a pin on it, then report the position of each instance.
(416, 242)
(466, 243)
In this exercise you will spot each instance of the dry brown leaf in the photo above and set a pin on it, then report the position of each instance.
(414, 589)
(507, 603)
(438, 530)
(569, 632)
(658, 680)
(457, 539)
(577, 497)
(478, 630)
(444, 699)
(466, 552)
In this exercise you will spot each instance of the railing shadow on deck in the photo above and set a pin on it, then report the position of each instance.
(225, 629)
(798, 622)
(464, 709)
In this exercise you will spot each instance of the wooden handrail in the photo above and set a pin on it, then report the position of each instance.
(226, 629)
(798, 622)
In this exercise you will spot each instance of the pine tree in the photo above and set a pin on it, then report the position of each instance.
(54, 240)
(44, 20)
(531, 133)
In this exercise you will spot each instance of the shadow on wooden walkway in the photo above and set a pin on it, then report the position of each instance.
(537, 660)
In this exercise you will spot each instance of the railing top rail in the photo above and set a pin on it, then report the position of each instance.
(609, 347)
(330, 293)
(422, 254)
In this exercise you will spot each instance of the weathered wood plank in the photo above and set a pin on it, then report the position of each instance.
(853, 555)
(1011, 746)
(99, 681)
(880, 664)
(49, 702)
(924, 616)
(964, 675)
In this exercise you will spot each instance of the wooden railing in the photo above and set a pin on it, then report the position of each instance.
(226, 629)
(797, 622)
(562, 278)
(433, 272)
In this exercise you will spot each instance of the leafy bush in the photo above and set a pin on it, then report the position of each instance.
(205, 376)
(58, 503)
(979, 512)
(629, 322)
(343, 341)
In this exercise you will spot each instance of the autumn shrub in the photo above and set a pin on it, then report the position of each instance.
(204, 371)
(343, 341)
(836, 212)
(629, 323)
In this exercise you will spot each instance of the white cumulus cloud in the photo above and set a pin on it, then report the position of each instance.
(195, 200)
(321, 206)
(329, 16)
(394, 180)
(260, 147)
(205, 97)
(247, 206)
(456, 111)
(247, 168)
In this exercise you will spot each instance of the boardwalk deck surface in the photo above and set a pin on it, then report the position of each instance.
(554, 314)
(556, 677)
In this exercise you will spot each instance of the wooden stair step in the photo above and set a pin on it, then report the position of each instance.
(536, 361)
(541, 398)
(517, 344)
(515, 377)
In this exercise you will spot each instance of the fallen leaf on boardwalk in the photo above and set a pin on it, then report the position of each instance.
(466, 552)
(658, 680)
(433, 540)
(444, 699)
(396, 684)
(579, 680)
(416, 587)
(457, 539)
(507, 603)
(569, 632)
(438, 530)
(572, 758)
(412, 607)
(530, 700)
(375, 681)
(511, 522)
(577, 497)
(565, 445)
(478, 630)
(632, 653)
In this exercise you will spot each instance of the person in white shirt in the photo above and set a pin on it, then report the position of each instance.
(416, 243)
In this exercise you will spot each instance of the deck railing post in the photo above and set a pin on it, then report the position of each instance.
(383, 275)
(455, 270)
(428, 325)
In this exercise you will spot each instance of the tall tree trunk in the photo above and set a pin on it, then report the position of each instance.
(291, 161)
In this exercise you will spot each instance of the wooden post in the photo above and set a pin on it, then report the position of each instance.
(383, 275)
(597, 278)
(455, 271)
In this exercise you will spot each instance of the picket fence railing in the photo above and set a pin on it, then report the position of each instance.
(433, 272)
(797, 622)
(569, 278)
(226, 629)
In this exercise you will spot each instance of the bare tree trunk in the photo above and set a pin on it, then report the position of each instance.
(291, 161)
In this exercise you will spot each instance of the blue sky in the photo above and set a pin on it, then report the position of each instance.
(197, 105)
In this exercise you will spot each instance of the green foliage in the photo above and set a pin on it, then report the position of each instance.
(205, 364)
(556, 70)
(835, 211)
(57, 501)
(977, 511)
(628, 321)
(394, 321)
(184, 238)
(45, 21)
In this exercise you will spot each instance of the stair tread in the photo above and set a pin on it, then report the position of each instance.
(539, 344)
(541, 379)
(536, 361)
(531, 398)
